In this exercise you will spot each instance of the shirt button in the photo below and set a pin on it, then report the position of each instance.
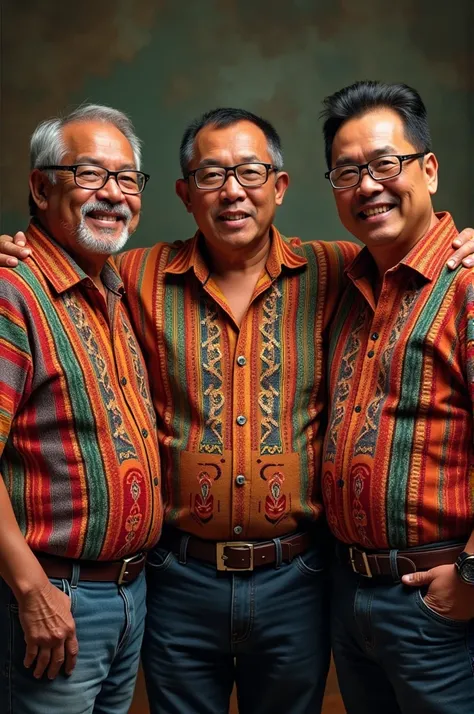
(371, 353)
(340, 483)
(240, 480)
(124, 381)
(358, 409)
(155, 481)
(375, 335)
(238, 530)
(241, 420)
(144, 433)
(241, 361)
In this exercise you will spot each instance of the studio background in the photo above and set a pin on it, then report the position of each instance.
(164, 62)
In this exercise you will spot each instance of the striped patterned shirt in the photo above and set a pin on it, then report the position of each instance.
(398, 456)
(240, 409)
(78, 449)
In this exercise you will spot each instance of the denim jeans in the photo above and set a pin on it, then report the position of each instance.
(109, 624)
(394, 654)
(266, 630)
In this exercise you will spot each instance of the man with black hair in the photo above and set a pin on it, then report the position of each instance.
(398, 453)
(233, 325)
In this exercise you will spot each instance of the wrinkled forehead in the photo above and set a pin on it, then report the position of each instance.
(97, 142)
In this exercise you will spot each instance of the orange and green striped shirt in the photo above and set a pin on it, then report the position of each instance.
(398, 465)
(78, 447)
(241, 410)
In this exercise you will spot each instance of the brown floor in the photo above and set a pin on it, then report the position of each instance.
(332, 700)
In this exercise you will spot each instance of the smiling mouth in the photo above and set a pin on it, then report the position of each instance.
(233, 216)
(377, 210)
(107, 217)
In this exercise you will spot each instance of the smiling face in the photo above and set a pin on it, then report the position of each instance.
(233, 219)
(388, 216)
(88, 222)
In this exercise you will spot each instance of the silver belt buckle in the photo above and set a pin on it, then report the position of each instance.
(125, 563)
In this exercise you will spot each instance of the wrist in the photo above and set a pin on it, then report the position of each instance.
(465, 567)
(26, 582)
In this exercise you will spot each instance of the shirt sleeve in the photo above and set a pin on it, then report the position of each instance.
(15, 353)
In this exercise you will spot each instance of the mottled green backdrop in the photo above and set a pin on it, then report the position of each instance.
(165, 61)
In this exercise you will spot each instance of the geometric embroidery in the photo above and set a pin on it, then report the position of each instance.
(138, 369)
(123, 444)
(269, 396)
(213, 395)
(343, 385)
(359, 474)
(367, 438)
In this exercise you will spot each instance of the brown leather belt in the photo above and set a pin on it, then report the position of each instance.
(373, 564)
(112, 571)
(236, 555)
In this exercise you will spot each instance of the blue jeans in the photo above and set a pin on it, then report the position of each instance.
(266, 630)
(394, 654)
(109, 624)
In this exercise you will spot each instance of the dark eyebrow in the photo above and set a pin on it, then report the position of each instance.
(382, 151)
(96, 162)
(251, 158)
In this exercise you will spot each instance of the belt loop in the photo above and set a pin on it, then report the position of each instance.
(183, 547)
(394, 566)
(278, 553)
(76, 571)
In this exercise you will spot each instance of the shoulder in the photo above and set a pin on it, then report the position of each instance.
(149, 256)
(337, 255)
(19, 283)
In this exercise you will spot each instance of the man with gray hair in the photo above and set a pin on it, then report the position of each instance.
(79, 494)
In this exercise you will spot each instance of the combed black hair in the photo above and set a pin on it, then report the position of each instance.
(221, 118)
(365, 96)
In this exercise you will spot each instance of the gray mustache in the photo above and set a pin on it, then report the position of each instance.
(105, 207)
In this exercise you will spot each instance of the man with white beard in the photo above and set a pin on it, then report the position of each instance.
(80, 494)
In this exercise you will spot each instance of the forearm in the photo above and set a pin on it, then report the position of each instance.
(18, 565)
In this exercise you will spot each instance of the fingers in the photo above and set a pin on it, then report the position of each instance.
(56, 660)
(71, 652)
(10, 253)
(42, 661)
(465, 253)
(423, 577)
(31, 654)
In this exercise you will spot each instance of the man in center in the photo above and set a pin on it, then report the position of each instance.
(233, 325)
(235, 320)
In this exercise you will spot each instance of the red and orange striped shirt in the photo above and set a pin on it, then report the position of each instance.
(398, 464)
(78, 447)
(241, 410)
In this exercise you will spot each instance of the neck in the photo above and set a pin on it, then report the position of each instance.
(90, 263)
(246, 260)
(387, 257)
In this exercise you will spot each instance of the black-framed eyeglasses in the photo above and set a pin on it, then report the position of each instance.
(94, 177)
(249, 175)
(380, 169)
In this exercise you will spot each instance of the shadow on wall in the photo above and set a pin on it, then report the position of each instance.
(165, 62)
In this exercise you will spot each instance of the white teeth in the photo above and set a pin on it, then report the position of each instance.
(101, 217)
(375, 211)
(233, 217)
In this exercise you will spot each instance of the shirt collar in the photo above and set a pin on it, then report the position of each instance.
(281, 254)
(61, 271)
(426, 258)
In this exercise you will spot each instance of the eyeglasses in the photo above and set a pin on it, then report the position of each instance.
(380, 169)
(94, 177)
(209, 178)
